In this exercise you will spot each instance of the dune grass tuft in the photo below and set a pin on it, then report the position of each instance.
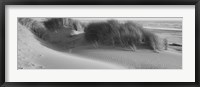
(36, 27)
(128, 34)
(54, 24)
(111, 33)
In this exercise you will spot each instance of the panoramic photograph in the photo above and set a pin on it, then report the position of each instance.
(99, 43)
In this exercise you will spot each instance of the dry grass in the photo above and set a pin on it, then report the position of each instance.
(54, 24)
(129, 34)
(110, 33)
(35, 27)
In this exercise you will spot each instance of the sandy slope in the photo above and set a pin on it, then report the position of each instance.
(141, 59)
(31, 54)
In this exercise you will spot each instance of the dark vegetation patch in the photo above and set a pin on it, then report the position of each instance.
(175, 44)
(128, 34)
(58, 31)
(55, 31)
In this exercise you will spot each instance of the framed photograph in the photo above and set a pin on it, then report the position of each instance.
(59, 43)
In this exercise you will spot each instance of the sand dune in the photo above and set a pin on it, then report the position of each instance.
(141, 59)
(33, 55)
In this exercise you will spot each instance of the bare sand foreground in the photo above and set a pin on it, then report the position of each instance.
(141, 59)
(33, 55)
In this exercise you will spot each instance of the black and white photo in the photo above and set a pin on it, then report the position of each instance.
(99, 43)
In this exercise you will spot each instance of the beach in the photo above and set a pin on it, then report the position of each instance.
(35, 54)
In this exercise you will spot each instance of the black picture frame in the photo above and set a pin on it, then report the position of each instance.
(99, 2)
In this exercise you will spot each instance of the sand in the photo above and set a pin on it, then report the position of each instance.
(33, 55)
(141, 59)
